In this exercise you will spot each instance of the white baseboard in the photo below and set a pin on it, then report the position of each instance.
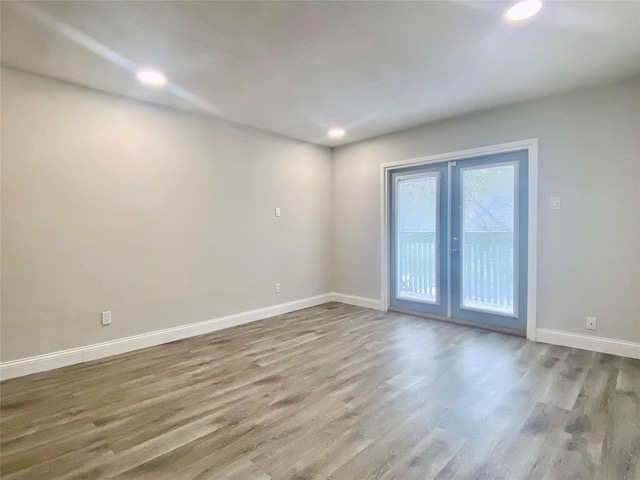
(357, 301)
(50, 361)
(588, 342)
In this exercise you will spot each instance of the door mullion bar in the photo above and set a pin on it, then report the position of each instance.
(448, 256)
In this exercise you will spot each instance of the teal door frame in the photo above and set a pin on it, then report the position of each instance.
(439, 307)
(518, 319)
(524, 155)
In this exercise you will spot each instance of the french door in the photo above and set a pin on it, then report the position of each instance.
(459, 240)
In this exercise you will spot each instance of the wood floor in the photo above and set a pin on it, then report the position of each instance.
(335, 392)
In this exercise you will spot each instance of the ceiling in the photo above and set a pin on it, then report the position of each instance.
(298, 68)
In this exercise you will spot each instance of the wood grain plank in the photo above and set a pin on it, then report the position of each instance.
(330, 392)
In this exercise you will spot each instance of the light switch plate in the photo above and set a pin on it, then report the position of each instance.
(277, 211)
(555, 203)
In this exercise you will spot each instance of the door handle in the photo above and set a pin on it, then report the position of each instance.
(454, 251)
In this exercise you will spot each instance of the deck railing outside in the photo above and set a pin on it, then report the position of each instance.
(487, 268)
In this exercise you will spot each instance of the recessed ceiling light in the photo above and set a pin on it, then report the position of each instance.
(336, 132)
(523, 10)
(151, 77)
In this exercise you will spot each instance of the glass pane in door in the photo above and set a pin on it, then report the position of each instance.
(489, 277)
(416, 228)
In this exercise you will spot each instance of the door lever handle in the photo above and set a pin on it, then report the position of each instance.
(454, 251)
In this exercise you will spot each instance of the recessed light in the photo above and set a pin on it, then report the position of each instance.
(151, 77)
(523, 10)
(336, 132)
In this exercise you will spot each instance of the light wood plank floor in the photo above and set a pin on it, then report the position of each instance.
(335, 392)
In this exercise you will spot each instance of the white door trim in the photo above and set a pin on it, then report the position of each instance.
(531, 146)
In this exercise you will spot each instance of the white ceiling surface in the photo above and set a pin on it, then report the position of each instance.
(298, 68)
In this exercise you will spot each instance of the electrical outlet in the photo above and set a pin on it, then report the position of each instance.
(591, 323)
(277, 288)
(106, 318)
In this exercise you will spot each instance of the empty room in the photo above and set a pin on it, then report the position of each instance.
(299, 240)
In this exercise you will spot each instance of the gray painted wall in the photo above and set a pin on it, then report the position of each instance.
(166, 218)
(163, 217)
(589, 155)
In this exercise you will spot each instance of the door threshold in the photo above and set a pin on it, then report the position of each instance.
(509, 331)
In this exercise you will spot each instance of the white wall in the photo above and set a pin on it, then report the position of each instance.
(163, 217)
(589, 155)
